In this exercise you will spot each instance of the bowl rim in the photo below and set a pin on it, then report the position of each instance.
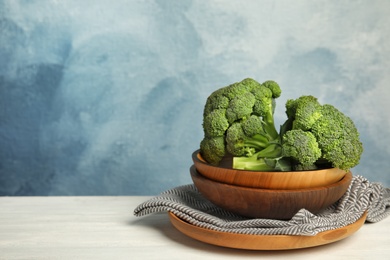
(197, 156)
(346, 178)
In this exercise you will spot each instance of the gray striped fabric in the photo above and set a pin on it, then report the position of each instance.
(188, 204)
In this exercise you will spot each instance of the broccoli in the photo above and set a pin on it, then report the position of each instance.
(338, 138)
(246, 137)
(255, 163)
(214, 148)
(239, 120)
(335, 134)
(304, 111)
(215, 123)
(302, 148)
(240, 107)
(242, 115)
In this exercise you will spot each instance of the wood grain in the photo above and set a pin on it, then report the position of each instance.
(267, 203)
(264, 242)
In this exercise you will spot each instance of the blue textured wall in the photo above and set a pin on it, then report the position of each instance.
(106, 97)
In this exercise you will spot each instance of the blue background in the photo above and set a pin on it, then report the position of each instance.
(106, 97)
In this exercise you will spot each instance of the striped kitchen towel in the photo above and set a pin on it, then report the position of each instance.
(189, 205)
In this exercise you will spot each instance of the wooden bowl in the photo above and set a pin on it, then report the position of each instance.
(266, 203)
(266, 180)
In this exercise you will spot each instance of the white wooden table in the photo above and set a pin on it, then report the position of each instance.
(105, 228)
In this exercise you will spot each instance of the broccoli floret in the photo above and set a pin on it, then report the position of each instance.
(216, 101)
(305, 110)
(213, 149)
(335, 133)
(302, 147)
(239, 88)
(338, 138)
(242, 114)
(240, 107)
(215, 123)
(274, 87)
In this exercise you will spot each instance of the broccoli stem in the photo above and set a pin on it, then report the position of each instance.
(264, 160)
(273, 150)
(251, 163)
(271, 130)
(257, 141)
(269, 126)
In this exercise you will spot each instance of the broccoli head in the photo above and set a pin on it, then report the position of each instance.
(242, 114)
(335, 133)
(338, 138)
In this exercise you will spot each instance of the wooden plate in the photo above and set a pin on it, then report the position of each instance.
(264, 242)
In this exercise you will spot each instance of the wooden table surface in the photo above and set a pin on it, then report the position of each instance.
(105, 228)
